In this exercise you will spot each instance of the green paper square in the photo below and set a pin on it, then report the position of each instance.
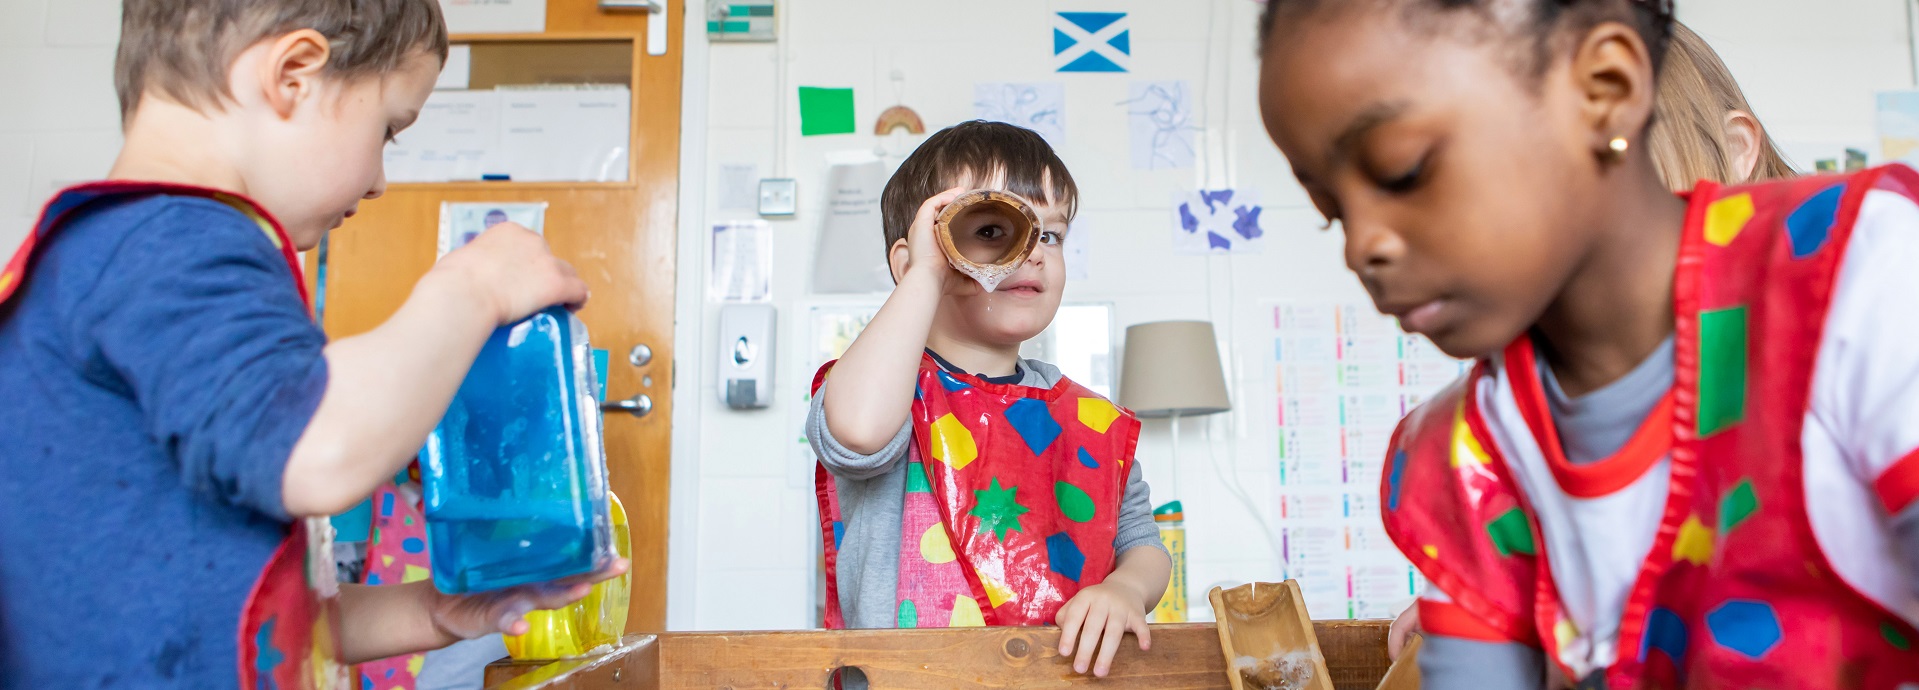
(826, 111)
(1722, 369)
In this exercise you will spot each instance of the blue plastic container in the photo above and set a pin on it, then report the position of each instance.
(515, 474)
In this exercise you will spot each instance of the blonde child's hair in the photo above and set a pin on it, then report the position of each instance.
(1688, 137)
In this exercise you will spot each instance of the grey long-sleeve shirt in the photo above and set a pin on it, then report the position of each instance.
(872, 492)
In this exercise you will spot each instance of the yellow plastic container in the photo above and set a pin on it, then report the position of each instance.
(1172, 532)
(599, 619)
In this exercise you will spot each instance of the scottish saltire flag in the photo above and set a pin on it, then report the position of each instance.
(1092, 41)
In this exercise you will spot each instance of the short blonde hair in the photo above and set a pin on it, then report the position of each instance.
(183, 48)
(1688, 137)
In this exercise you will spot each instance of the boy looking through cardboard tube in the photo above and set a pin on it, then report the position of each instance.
(959, 484)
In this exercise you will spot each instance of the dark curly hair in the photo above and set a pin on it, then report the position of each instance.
(1546, 19)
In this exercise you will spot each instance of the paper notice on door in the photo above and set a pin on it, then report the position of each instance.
(571, 134)
(494, 16)
(742, 268)
(851, 256)
(547, 134)
(454, 139)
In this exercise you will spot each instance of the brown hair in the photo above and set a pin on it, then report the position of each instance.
(1688, 136)
(183, 48)
(975, 151)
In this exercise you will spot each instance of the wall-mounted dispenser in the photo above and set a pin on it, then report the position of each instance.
(746, 355)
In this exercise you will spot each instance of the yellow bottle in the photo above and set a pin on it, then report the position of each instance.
(1172, 532)
(599, 619)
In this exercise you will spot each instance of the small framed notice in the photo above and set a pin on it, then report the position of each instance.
(461, 222)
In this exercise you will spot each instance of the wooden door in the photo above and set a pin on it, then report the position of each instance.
(621, 236)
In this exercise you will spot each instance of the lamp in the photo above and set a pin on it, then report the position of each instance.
(1172, 370)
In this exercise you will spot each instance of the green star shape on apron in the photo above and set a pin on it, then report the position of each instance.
(997, 509)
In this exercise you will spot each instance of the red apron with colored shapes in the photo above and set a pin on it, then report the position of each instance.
(1012, 501)
(396, 554)
(290, 625)
(1736, 591)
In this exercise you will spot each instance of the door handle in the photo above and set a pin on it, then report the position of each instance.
(655, 25)
(639, 405)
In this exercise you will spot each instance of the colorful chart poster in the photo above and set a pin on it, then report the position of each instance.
(1344, 376)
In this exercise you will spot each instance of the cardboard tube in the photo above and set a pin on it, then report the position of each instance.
(978, 209)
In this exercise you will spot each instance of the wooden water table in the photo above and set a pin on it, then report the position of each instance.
(1184, 656)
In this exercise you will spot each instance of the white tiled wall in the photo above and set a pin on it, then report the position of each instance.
(59, 121)
(743, 525)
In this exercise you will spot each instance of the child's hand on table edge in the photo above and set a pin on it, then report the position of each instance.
(1099, 616)
(467, 616)
(1404, 628)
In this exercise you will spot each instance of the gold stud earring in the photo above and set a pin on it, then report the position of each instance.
(1619, 146)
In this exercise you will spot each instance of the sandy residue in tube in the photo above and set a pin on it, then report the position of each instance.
(1286, 671)
(989, 276)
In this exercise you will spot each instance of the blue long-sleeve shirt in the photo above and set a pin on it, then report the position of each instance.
(155, 371)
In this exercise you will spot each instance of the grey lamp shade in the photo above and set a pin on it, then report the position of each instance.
(1172, 368)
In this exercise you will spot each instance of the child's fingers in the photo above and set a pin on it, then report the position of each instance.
(940, 200)
(558, 597)
(1070, 617)
(1089, 639)
(572, 290)
(1144, 631)
(544, 597)
(506, 228)
(1109, 645)
(612, 570)
(513, 617)
(1402, 629)
(934, 205)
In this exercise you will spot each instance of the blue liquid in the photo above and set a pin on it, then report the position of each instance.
(515, 474)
